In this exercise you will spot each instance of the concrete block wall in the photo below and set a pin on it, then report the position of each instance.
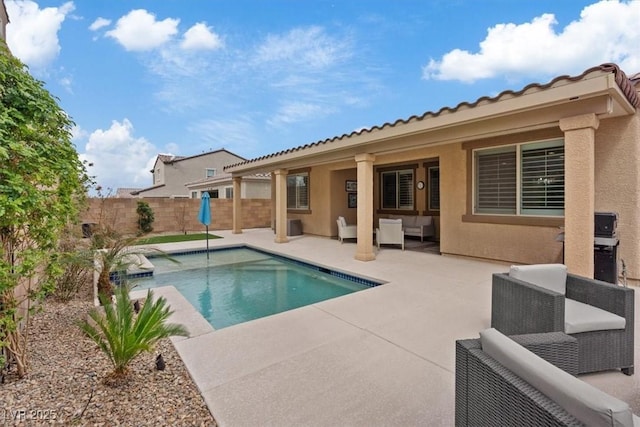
(175, 215)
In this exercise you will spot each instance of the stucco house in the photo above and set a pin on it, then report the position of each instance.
(172, 173)
(220, 186)
(502, 175)
(4, 20)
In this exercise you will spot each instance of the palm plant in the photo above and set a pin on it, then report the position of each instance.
(114, 258)
(122, 335)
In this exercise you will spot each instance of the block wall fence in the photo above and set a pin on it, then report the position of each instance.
(175, 215)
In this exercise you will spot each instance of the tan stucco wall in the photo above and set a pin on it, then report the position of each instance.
(511, 243)
(256, 190)
(617, 175)
(176, 215)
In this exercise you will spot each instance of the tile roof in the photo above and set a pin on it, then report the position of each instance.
(626, 85)
(172, 159)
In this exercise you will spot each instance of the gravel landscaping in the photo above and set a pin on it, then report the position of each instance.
(67, 383)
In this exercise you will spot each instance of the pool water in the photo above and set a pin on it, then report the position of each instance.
(237, 285)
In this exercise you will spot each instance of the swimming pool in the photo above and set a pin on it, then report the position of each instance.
(241, 284)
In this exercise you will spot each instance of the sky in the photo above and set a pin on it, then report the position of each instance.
(141, 77)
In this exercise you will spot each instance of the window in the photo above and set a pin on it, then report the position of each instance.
(214, 194)
(210, 172)
(228, 192)
(397, 189)
(434, 188)
(194, 194)
(523, 179)
(298, 191)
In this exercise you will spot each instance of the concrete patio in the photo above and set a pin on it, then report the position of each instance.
(382, 356)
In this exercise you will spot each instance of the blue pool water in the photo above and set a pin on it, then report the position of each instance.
(238, 285)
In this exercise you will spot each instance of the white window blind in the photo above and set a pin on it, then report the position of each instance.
(298, 191)
(524, 179)
(542, 172)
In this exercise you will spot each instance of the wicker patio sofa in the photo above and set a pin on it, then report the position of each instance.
(521, 307)
(506, 384)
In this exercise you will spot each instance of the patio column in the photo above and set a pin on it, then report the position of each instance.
(237, 205)
(579, 192)
(364, 249)
(281, 206)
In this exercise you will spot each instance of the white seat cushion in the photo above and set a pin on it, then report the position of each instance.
(390, 221)
(548, 276)
(580, 317)
(585, 402)
(343, 222)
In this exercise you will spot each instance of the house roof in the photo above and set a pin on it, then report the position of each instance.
(123, 192)
(153, 187)
(626, 87)
(227, 177)
(169, 159)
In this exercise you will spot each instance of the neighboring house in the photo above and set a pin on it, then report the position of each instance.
(125, 193)
(4, 20)
(221, 187)
(172, 173)
(504, 174)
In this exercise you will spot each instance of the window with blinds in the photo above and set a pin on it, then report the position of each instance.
(434, 188)
(397, 189)
(542, 172)
(523, 179)
(496, 181)
(298, 191)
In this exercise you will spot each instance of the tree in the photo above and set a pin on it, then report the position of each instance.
(145, 217)
(42, 187)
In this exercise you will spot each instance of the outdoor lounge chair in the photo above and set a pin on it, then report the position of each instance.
(390, 232)
(545, 298)
(346, 231)
(503, 382)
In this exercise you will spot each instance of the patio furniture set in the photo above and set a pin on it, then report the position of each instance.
(546, 327)
(392, 230)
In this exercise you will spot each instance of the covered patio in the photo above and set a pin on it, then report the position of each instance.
(517, 167)
(382, 356)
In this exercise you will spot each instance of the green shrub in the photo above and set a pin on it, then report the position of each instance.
(145, 217)
(77, 267)
(122, 335)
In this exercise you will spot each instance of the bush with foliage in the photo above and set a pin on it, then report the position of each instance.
(76, 262)
(122, 335)
(42, 187)
(145, 217)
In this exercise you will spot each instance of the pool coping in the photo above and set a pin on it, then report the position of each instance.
(381, 356)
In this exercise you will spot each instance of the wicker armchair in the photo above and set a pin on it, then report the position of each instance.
(488, 394)
(519, 307)
(503, 386)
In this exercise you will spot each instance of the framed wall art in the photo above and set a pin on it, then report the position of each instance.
(351, 186)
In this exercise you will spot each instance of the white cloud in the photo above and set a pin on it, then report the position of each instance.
(293, 112)
(237, 135)
(32, 34)
(140, 31)
(310, 47)
(119, 158)
(99, 23)
(201, 37)
(66, 83)
(607, 31)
